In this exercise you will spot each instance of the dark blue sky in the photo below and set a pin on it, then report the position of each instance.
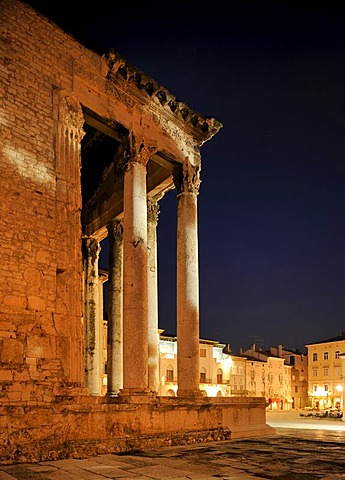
(272, 197)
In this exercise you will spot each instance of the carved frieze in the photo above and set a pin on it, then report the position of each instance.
(117, 94)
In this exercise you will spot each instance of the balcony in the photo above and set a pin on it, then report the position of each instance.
(206, 381)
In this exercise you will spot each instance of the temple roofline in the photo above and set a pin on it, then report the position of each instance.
(136, 83)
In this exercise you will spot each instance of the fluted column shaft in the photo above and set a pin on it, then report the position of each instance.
(187, 182)
(114, 309)
(69, 280)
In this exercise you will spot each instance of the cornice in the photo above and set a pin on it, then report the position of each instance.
(148, 92)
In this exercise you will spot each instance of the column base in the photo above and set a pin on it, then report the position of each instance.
(127, 395)
(113, 394)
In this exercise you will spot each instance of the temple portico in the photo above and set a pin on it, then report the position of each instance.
(153, 151)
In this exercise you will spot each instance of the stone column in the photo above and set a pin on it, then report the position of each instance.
(102, 278)
(69, 267)
(153, 335)
(135, 285)
(187, 181)
(115, 303)
(92, 321)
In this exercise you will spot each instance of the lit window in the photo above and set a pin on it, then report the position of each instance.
(337, 371)
(219, 376)
(325, 372)
(203, 352)
(314, 372)
(169, 375)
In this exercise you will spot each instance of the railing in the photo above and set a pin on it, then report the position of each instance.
(239, 393)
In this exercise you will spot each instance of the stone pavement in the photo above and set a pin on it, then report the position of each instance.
(300, 450)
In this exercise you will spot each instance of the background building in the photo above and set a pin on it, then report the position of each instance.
(299, 374)
(325, 377)
(273, 378)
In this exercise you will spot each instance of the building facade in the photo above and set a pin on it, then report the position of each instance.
(270, 375)
(221, 374)
(325, 373)
(299, 374)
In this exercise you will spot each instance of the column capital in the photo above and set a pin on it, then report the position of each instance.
(139, 150)
(152, 211)
(187, 178)
(115, 229)
(91, 248)
(70, 113)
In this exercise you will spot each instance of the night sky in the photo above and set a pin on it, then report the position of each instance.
(272, 197)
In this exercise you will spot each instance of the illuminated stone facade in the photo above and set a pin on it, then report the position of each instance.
(220, 374)
(269, 375)
(88, 140)
(299, 374)
(326, 373)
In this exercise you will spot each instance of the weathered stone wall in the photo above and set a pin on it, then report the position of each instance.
(40, 250)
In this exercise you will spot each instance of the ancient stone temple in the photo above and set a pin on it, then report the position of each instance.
(89, 146)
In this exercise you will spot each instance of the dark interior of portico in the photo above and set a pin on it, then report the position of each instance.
(103, 152)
